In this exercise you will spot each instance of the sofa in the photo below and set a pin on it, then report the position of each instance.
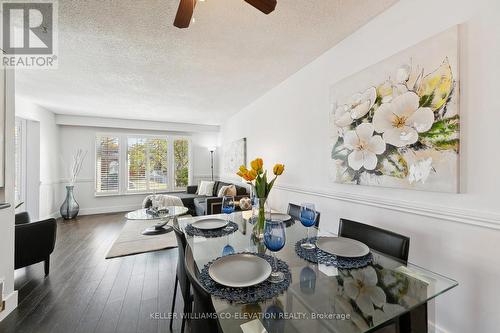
(200, 205)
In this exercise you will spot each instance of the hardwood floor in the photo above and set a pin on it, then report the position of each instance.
(87, 293)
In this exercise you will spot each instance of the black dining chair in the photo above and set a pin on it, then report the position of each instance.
(181, 279)
(202, 320)
(398, 247)
(385, 241)
(294, 212)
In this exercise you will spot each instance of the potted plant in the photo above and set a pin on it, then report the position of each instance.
(256, 176)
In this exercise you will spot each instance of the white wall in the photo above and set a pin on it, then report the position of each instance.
(454, 234)
(74, 137)
(7, 194)
(49, 157)
(59, 140)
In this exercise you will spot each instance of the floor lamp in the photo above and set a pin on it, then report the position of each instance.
(212, 151)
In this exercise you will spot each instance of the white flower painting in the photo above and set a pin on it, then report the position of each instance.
(364, 147)
(396, 123)
(234, 155)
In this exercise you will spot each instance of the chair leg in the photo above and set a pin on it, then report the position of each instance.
(419, 319)
(187, 312)
(404, 324)
(183, 324)
(173, 302)
(47, 266)
(415, 321)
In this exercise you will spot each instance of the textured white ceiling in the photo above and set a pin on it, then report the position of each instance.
(124, 59)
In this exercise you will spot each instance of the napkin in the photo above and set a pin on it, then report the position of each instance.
(328, 270)
(254, 326)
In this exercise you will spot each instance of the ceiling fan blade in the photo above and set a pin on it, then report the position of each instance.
(265, 6)
(184, 13)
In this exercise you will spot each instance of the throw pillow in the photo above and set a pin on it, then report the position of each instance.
(227, 190)
(245, 203)
(147, 203)
(206, 188)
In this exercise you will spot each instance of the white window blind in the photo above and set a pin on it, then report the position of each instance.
(141, 163)
(147, 161)
(107, 164)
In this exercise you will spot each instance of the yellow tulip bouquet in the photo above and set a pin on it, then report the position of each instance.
(257, 177)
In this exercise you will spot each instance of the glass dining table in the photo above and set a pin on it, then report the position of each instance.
(320, 298)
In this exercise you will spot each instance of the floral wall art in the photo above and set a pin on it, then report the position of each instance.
(234, 155)
(396, 123)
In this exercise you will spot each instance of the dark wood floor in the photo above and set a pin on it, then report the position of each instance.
(87, 293)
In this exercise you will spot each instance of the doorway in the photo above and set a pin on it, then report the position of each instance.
(27, 161)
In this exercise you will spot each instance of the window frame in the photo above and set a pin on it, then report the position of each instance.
(123, 175)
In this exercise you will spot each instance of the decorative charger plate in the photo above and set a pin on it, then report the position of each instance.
(342, 247)
(240, 270)
(209, 224)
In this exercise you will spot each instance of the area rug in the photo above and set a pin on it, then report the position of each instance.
(132, 241)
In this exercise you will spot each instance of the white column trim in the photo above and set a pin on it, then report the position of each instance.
(10, 304)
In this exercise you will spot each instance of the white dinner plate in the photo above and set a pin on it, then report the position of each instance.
(209, 223)
(279, 217)
(240, 270)
(342, 247)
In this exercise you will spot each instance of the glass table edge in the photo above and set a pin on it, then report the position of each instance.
(450, 283)
(410, 309)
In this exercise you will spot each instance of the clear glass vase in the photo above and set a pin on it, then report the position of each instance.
(260, 219)
(70, 208)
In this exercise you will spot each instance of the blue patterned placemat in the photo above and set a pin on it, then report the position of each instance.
(192, 231)
(318, 256)
(254, 294)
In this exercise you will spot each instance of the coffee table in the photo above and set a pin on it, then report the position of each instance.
(159, 227)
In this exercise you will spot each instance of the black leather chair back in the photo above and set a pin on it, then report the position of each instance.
(34, 241)
(294, 212)
(22, 218)
(385, 241)
(181, 268)
(202, 300)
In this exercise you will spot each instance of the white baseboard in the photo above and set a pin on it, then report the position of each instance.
(100, 210)
(104, 210)
(10, 305)
(54, 215)
(433, 328)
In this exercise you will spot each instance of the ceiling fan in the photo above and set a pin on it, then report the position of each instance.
(186, 9)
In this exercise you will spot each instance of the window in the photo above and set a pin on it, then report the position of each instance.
(181, 163)
(147, 164)
(157, 156)
(107, 164)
